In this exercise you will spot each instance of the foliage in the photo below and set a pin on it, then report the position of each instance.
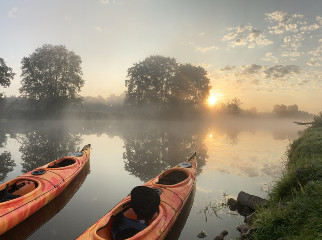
(161, 81)
(190, 85)
(51, 77)
(148, 81)
(282, 110)
(6, 165)
(42, 146)
(150, 149)
(6, 74)
(317, 120)
(299, 191)
(232, 106)
(300, 219)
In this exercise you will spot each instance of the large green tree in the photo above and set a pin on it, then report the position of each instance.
(148, 82)
(162, 81)
(190, 85)
(51, 77)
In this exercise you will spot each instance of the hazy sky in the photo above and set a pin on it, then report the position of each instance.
(263, 52)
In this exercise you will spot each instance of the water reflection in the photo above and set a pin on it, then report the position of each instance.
(178, 226)
(233, 155)
(7, 165)
(154, 148)
(42, 146)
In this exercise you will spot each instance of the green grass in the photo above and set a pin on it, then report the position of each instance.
(299, 191)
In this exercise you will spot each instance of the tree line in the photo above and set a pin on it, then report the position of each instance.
(51, 79)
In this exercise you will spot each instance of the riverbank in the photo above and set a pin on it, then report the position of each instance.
(294, 208)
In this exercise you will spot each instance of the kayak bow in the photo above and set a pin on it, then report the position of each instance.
(24, 195)
(174, 187)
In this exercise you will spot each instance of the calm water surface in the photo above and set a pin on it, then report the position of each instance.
(233, 156)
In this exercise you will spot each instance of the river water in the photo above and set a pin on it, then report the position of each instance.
(233, 155)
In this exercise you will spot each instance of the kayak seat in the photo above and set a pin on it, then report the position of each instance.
(5, 195)
(63, 163)
(124, 228)
(172, 178)
(145, 203)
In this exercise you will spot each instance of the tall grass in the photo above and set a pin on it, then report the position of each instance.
(295, 201)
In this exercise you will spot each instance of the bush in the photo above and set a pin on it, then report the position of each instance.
(317, 120)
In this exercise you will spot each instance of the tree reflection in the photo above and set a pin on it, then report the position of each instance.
(148, 151)
(41, 147)
(6, 165)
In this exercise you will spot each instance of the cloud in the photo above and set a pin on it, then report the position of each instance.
(316, 60)
(105, 2)
(280, 71)
(283, 21)
(12, 12)
(251, 69)
(98, 28)
(228, 68)
(311, 27)
(246, 36)
(206, 49)
(276, 71)
(270, 58)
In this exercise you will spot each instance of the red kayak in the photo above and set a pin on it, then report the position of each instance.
(24, 195)
(150, 210)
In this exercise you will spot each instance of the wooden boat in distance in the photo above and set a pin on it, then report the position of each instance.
(24, 195)
(174, 187)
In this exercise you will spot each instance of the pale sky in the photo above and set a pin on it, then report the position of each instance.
(264, 52)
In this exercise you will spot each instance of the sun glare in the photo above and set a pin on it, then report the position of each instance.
(212, 100)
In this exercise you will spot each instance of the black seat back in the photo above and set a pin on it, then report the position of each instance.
(145, 202)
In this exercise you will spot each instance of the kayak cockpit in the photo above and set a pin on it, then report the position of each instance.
(172, 177)
(17, 188)
(123, 225)
(64, 162)
(133, 216)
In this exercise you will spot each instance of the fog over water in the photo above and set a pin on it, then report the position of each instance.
(234, 154)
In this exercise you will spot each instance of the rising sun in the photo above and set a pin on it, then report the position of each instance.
(212, 100)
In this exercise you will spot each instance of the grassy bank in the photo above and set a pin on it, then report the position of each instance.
(295, 200)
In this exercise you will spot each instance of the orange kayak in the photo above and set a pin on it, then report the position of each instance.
(173, 187)
(24, 195)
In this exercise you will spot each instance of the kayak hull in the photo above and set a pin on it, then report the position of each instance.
(173, 198)
(44, 183)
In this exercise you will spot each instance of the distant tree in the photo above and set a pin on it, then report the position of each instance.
(51, 77)
(233, 106)
(280, 110)
(292, 109)
(190, 85)
(289, 111)
(148, 82)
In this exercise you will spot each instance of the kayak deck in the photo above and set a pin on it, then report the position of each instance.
(174, 187)
(24, 195)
